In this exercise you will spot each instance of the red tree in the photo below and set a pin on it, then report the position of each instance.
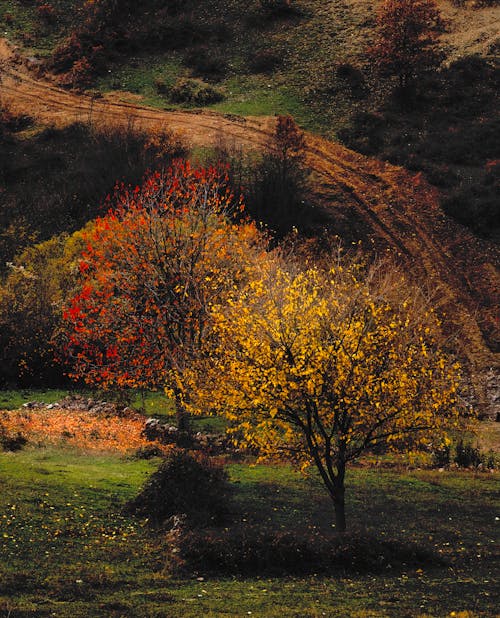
(406, 43)
(150, 271)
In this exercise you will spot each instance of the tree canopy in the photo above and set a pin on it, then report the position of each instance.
(406, 42)
(321, 366)
(151, 269)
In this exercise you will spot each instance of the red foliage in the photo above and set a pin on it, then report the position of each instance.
(149, 272)
(406, 44)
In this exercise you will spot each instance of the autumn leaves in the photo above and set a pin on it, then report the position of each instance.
(179, 291)
(150, 273)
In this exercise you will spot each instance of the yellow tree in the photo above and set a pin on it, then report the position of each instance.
(321, 366)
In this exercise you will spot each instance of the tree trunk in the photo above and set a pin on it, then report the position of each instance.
(181, 414)
(339, 506)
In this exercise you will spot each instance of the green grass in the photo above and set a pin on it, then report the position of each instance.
(14, 399)
(139, 75)
(68, 550)
(245, 95)
(20, 22)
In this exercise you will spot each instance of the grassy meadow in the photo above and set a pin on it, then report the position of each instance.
(69, 549)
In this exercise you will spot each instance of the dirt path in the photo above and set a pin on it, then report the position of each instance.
(378, 203)
(474, 29)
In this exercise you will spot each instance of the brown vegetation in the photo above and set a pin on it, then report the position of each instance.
(384, 206)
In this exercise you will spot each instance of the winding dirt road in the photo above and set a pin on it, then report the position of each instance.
(365, 199)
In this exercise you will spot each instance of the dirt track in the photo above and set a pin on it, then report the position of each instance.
(365, 198)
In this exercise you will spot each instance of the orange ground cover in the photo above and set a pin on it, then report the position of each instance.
(76, 429)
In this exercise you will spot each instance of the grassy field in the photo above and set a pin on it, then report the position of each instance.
(68, 550)
(260, 62)
(21, 22)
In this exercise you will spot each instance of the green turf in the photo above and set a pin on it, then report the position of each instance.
(20, 21)
(14, 399)
(68, 550)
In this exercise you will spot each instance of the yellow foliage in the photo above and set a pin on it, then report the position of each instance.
(322, 366)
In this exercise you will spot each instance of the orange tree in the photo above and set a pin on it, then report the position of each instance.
(150, 271)
(406, 42)
(321, 366)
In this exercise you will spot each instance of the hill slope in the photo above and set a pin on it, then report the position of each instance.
(364, 199)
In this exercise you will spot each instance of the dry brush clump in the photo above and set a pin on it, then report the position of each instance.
(188, 488)
(244, 550)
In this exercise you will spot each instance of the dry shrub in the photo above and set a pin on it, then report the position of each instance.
(186, 484)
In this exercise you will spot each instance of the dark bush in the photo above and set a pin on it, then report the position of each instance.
(441, 457)
(10, 442)
(18, 582)
(264, 61)
(366, 132)
(46, 12)
(188, 484)
(206, 62)
(148, 452)
(352, 79)
(276, 193)
(252, 551)
(278, 8)
(162, 87)
(56, 180)
(468, 456)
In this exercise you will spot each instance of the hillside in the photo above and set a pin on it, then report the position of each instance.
(307, 58)
(363, 199)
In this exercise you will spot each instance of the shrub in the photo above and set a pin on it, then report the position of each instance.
(276, 7)
(66, 54)
(250, 551)
(352, 78)
(264, 61)
(441, 457)
(468, 456)
(188, 484)
(46, 12)
(277, 192)
(148, 452)
(81, 72)
(205, 62)
(11, 441)
(194, 92)
(161, 86)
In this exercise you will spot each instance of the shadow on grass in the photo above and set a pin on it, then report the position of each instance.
(251, 550)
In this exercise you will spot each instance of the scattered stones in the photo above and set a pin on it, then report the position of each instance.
(212, 444)
(155, 429)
